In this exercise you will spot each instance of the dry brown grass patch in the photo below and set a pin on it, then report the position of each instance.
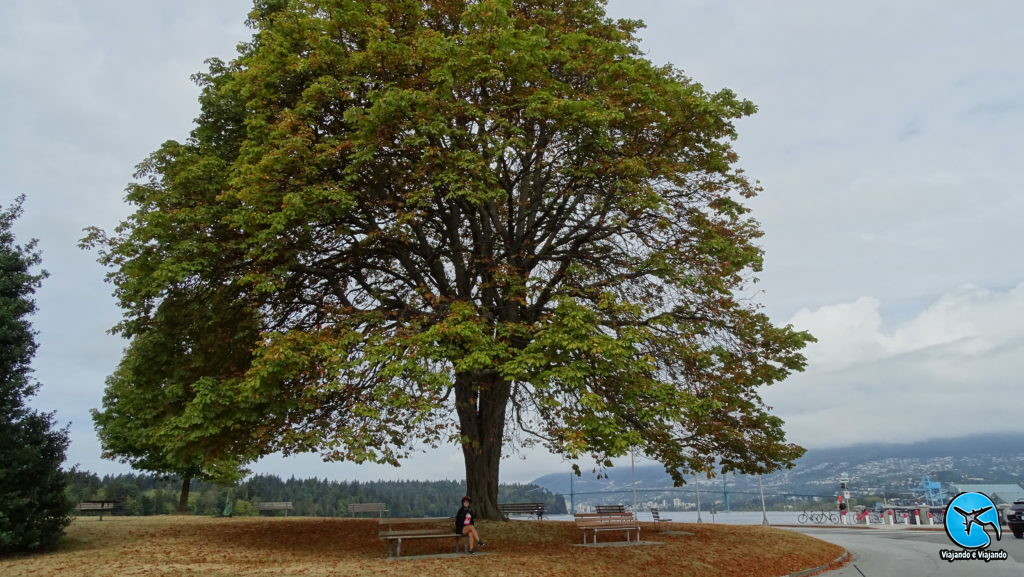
(180, 546)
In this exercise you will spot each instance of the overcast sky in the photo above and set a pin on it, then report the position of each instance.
(888, 143)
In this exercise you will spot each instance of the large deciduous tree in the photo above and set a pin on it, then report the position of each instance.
(33, 508)
(479, 221)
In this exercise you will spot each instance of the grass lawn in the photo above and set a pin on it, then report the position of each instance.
(209, 547)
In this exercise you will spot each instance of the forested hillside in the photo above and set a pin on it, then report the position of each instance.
(153, 495)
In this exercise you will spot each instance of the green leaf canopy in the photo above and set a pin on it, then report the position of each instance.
(486, 222)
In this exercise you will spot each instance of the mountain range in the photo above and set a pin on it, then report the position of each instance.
(876, 469)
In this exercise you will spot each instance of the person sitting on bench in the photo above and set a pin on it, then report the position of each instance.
(464, 524)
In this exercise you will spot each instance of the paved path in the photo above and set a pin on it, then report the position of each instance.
(909, 553)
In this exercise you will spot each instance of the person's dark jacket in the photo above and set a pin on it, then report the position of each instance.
(460, 518)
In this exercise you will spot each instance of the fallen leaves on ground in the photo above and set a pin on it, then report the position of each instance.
(178, 546)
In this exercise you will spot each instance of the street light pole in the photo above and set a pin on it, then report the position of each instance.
(632, 459)
(764, 512)
(572, 496)
(697, 485)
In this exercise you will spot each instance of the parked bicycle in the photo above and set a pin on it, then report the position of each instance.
(818, 517)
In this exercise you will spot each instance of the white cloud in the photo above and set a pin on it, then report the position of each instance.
(967, 323)
(953, 368)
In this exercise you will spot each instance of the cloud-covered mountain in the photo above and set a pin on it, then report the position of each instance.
(875, 469)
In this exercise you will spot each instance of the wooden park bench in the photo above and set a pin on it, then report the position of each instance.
(275, 506)
(99, 506)
(605, 509)
(378, 508)
(396, 530)
(594, 523)
(531, 509)
(657, 516)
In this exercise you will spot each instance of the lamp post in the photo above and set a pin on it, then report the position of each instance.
(572, 496)
(697, 485)
(632, 482)
(725, 492)
(764, 512)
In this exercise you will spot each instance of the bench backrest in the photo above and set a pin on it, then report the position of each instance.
(379, 508)
(104, 506)
(603, 518)
(388, 526)
(275, 506)
(610, 508)
(520, 507)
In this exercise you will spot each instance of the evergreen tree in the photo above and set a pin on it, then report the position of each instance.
(33, 507)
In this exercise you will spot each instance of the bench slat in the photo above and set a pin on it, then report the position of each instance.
(275, 506)
(421, 520)
(657, 516)
(272, 505)
(94, 506)
(424, 535)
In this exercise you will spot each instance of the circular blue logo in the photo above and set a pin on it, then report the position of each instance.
(968, 518)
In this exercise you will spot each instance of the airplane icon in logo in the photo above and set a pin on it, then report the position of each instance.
(972, 518)
(967, 511)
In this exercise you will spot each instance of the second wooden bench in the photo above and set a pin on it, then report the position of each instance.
(594, 523)
(531, 509)
(99, 506)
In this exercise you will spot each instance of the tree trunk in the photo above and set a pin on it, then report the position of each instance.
(186, 486)
(481, 400)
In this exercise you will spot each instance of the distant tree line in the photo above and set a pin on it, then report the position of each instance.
(144, 494)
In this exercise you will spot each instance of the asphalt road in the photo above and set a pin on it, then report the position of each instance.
(906, 553)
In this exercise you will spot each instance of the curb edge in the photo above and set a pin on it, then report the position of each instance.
(846, 556)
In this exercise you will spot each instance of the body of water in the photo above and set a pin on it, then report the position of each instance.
(727, 517)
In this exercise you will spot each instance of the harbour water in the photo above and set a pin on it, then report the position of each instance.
(724, 517)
